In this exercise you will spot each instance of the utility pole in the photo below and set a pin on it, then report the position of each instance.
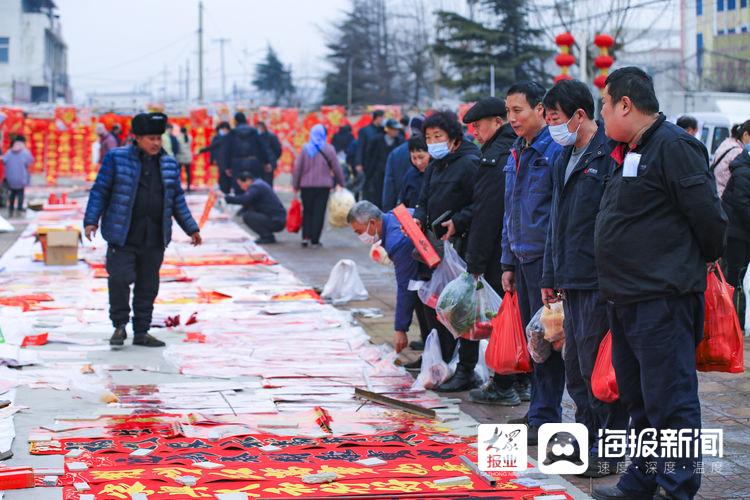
(492, 80)
(222, 42)
(187, 80)
(164, 84)
(200, 51)
(349, 87)
(179, 81)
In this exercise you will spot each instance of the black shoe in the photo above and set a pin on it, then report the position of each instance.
(147, 340)
(523, 389)
(523, 420)
(416, 345)
(599, 467)
(118, 338)
(491, 394)
(266, 241)
(316, 245)
(414, 366)
(305, 243)
(462, 380)
(532, 435)
(615, 493)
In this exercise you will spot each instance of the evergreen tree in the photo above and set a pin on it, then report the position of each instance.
(499, 34)
(273, 78)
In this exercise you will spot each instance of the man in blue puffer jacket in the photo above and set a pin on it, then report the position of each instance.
(136, 194)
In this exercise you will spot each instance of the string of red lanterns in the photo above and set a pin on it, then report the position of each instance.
(603, 61)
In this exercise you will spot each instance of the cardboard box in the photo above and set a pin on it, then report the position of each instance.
(60, 246)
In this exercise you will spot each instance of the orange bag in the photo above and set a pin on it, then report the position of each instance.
(507, 352)
(603, 380)
(294, 217)
(721, 349)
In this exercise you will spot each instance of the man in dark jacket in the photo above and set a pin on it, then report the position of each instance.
(378, 151)
(659, 224)
(243, 151)
(397, 165)
(578, 178)
(364, 137)
(736, 203)
(272, 144)
(262, 209)
(136, 194)
(214, 150)
(496, 136)
(528, 196)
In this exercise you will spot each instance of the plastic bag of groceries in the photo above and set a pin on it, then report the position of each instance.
(466, 307)
(545, 332)
(449, 269)
(339, 204)
(344, 283)
(434, 370)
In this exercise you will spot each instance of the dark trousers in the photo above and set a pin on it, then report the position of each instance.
(125, 266)
(314, 201)
(424, 326)
(468, 351)
(16, 194)
(734, 265)
(225, 182)
(263, 225)
(653, 352)
(268, 177)
(586, 324)
(188, 174)
(548, 378)
(372, 191)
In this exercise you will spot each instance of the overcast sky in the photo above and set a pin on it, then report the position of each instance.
(114, 45)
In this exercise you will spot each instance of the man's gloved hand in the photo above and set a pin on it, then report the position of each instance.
(195, 239)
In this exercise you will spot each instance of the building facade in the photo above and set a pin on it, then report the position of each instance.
(722, 44)
(33, 54)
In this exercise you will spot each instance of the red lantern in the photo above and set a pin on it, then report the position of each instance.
(564, 39)
(603, 61)
(602, 40)
(564, 59)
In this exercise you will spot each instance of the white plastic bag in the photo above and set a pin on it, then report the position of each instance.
(481, 369)
(467, 306)
(746, 291)
(434, 370)
(344, 283)
(339, 204)
(449, 269)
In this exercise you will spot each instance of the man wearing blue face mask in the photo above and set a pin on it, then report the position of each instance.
(569, 265)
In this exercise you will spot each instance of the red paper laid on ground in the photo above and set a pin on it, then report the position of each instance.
(12, 478)
(210, 202)
(421, 243)
(36, 340)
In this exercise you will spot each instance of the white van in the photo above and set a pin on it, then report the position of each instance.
(713, 128)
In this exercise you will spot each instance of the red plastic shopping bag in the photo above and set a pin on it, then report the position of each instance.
(603, 380)
(507, 352)
(294, 217)
(721, 349)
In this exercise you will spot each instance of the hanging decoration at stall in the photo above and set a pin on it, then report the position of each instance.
(564, 59)
(604, 60)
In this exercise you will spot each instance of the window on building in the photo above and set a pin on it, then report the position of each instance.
(743, 4)
(743, 29)
(4, 49)
(699, 7)
(731, 4)
(699, 54)
(719, 5)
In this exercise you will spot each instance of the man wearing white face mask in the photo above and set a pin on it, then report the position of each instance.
(383, 233)
(569, 265)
